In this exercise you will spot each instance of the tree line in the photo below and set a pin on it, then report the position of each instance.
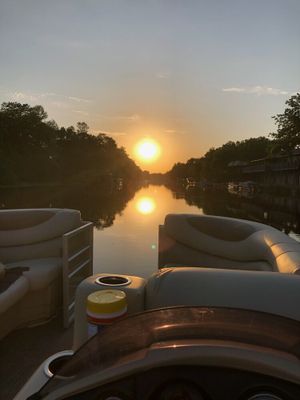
(35, 150)
(215, 165)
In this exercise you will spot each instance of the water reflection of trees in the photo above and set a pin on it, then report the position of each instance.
(100, 203)
(279, 211)
(97, 203)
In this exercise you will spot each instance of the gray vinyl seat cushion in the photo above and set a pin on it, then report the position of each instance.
(13, 294)
(221, 242)
(41, 271)
(39, 276)
(33, 240)
(28, 226)
(274, 293)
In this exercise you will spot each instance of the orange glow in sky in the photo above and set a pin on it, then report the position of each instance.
(149, 78)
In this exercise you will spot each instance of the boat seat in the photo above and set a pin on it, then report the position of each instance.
(37, 238)
(274, 293)
(26, 226)
(221, 242)
(42, 271)
(37, 234)
(15, 292)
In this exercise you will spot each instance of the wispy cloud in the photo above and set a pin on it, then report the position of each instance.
(27, 96)
(59, 104)
(21, 96)
(132, 118)
(234, 89)
(163, 75)
(80, 112)
(54, 99)
(172, 131)
(78, 99)
(257, 90)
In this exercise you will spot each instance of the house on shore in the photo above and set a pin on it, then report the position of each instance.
(279, 171)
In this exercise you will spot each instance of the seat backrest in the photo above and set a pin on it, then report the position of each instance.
(252, 245)
(29, 233)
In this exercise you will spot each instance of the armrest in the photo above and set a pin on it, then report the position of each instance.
(77, 264)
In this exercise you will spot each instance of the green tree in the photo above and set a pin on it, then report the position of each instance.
(33, 149)
(287, 137)
(178, 170)
(214, 165)
(23, 112)
(82, 128)
(27, 143)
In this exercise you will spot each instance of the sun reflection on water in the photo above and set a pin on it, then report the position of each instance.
(145, 205)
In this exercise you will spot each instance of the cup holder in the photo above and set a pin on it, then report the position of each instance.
(55, 362)
(113, 280)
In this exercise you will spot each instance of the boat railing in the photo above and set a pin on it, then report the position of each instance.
(77, 265)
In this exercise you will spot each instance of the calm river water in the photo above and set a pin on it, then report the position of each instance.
(126, 220)
(129, 246)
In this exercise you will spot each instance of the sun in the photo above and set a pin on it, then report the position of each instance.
(147, 150)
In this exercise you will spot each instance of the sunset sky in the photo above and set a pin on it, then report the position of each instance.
(189, 74)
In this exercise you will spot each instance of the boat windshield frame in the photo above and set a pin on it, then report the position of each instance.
(137, 333)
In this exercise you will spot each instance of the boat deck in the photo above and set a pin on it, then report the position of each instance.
(22, 351)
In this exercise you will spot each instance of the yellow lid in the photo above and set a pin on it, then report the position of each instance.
(106, 301)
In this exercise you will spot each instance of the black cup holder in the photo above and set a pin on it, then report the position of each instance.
(113, 280)
(54, 365)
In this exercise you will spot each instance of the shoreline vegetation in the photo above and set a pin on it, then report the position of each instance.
(253, 158)
(35, 152)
